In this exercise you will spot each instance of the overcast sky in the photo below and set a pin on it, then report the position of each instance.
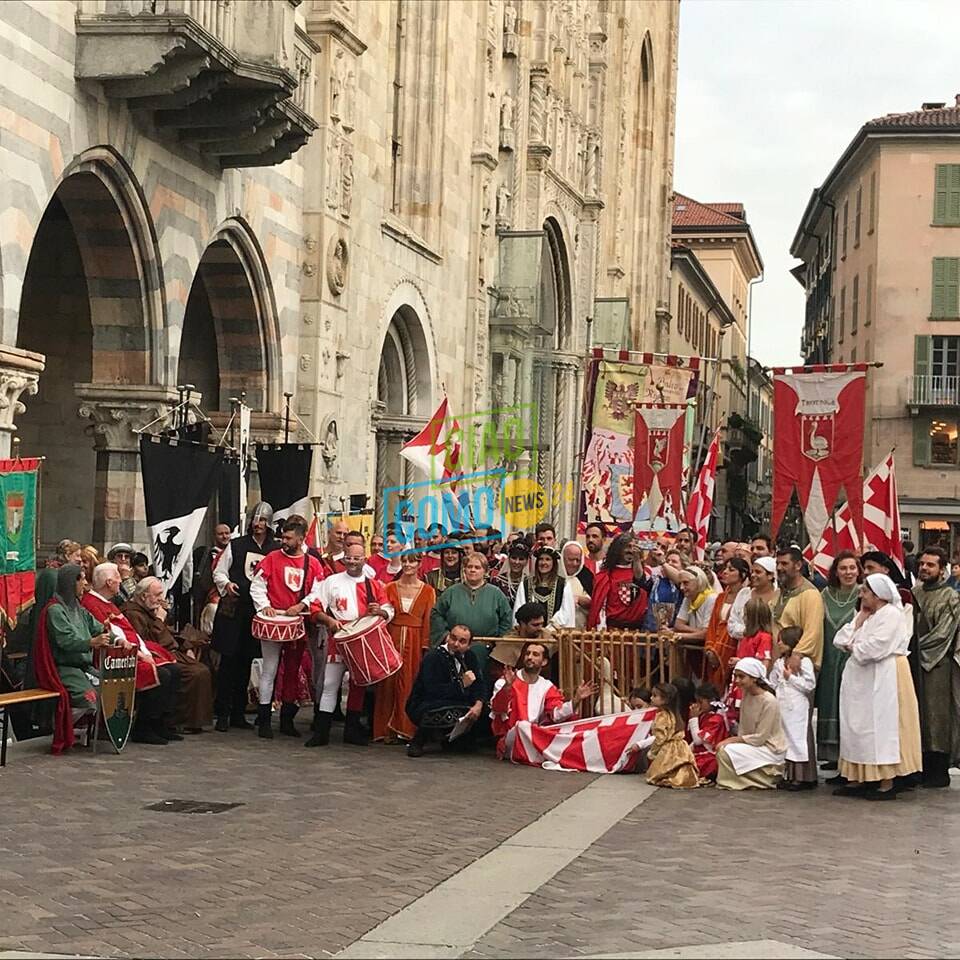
(772, 91)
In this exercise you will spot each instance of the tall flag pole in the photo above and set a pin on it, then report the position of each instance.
(178, 482)
(700, 505)
(818, 424)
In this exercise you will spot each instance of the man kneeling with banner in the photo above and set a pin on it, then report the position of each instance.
(524, 701)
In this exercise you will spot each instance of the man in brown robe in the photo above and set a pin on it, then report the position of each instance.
(146, 611)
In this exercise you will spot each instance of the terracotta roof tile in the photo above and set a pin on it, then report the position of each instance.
(940, 117)
(691, 213)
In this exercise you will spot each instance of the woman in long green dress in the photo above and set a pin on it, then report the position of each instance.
(839, 608)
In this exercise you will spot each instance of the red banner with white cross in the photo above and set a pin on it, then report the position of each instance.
(818, 415)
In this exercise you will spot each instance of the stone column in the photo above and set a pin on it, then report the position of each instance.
(19, 373)
(116, 411)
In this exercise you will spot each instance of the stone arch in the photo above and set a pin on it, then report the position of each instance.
(644, 135)
(556, 286)
(230, 341)
(407, 324)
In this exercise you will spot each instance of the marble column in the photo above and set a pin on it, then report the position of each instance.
(19, 375)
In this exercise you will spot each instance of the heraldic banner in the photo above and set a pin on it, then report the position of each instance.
(658, 458)
(18, 488)
(616, 382)
(818, 417)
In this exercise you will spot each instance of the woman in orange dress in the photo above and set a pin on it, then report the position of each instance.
(719, 646)
(412, 601)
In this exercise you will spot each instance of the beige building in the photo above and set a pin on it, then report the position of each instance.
(715, 260)
(362, 204)
(880, 245)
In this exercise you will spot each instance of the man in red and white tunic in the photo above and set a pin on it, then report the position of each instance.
(285, 583)
(621, 590)
(343, 598)
(536, 726)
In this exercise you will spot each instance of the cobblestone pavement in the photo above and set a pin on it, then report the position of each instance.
(328, 844)
(838, 876)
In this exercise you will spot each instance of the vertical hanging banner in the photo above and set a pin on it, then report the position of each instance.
(18, 536)
(284, 470)
(700, 504)
(617, 381)
(178, 482)
(228, 495)
(658, 458)
(818, 424)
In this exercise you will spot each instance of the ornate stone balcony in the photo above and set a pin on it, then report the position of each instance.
(231, 79)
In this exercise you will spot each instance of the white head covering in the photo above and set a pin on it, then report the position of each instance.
(885, 589)
(768, 564)
(580, 550)
(752, 667)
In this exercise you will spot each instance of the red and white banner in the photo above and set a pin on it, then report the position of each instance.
(881, 522)
(818, 428)
(594, 745)
(700, 505)
(658, 458)
(436, 448)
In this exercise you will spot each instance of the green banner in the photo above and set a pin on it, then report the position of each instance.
(18, 521)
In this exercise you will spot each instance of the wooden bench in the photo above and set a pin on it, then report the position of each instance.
(8, 700)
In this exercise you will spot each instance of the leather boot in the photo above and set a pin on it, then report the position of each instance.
(287, 712)
(936, 770)
(263, 722)
(321, 729)
(354, 732)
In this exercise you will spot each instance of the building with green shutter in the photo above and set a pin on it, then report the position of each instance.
(879, 243)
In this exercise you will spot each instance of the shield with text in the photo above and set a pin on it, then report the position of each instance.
(117, 691)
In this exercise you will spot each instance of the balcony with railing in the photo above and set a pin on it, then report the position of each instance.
(933, 390)
(231, 79)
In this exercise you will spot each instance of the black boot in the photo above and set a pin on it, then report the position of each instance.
(239, 722)
(263, 722)
(936, 770)
(321, 729)
(354, 732)
(287, 712)
(415, 747)
(222, 725)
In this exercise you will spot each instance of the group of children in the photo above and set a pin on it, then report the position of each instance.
(693, 720)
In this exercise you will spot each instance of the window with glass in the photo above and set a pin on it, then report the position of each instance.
(943, 441)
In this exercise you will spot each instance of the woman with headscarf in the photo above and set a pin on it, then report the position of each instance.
(549, 587)
(763, 586)
(875, 561)
(579, 579)
(755, 757)
(879, 717)
(720, 644)
(839, 608)
(66, 637)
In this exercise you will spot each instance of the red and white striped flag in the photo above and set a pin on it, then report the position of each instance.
(313, 534)
(436, 448)
(700, 504)
(881, 522)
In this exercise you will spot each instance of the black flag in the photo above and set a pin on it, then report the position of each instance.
(178, 481)
(284, 470)
(228, 495)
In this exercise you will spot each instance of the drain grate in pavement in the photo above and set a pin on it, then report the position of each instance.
(191, 806)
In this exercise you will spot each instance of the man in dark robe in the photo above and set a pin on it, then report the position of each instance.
(937, 667)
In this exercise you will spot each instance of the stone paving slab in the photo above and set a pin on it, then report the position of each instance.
(700, 869)
(327, 844)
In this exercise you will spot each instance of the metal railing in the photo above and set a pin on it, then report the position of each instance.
(932, 390)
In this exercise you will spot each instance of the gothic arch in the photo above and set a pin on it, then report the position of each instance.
(230, 341)
(407, 339)
(556, 283)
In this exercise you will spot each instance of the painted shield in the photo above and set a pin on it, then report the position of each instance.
(118, 689)
(658, 448)
(16, 504)
(250, 563)
(293, 578)
(817, 436)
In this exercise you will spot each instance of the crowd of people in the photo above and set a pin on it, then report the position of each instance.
(780, 673)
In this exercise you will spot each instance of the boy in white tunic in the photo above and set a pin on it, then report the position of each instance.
(793, 680)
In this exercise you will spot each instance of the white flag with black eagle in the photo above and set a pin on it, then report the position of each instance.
(284, 470)
(178, 482)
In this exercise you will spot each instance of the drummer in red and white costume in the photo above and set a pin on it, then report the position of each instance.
(286, 583)
(343, 598)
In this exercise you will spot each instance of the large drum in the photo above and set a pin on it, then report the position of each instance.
(279, 629)
(368, 651)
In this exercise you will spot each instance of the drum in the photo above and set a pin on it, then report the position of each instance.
(368, 651)
(279, 629)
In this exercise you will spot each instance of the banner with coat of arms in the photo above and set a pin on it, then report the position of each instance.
(617, 381)
(18, 536)
(818, 424)
(658, 458)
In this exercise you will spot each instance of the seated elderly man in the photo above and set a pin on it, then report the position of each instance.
(158, 675)
(147, 612)
(449, 688)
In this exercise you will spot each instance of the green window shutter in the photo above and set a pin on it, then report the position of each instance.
(940, 193)
(945, 298)
(922, 352)
(921, 442)
(953, 193)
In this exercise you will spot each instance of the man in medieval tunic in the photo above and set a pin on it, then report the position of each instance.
(799, 605)
(231, 627)
(937, 667)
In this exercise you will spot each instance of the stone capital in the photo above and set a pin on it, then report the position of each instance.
(116, 411)
(19, 375)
